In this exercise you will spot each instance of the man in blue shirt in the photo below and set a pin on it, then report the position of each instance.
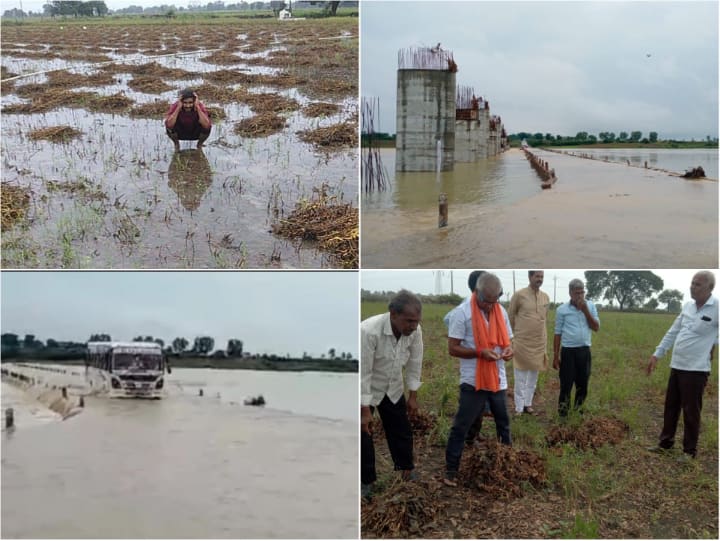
(692, 337)
(574, 322)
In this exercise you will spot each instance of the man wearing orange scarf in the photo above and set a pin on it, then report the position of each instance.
(479, 335)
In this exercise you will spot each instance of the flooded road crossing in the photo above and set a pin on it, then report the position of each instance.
(182, 467)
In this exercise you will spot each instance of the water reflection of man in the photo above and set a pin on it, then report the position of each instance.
(188, 120)
(189, 176)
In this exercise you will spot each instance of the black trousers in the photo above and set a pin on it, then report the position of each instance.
(575, 364)
(471, 404)
(684, 393)
(193, 134)
(398, 432)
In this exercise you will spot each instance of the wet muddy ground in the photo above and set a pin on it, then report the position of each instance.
(86, 155)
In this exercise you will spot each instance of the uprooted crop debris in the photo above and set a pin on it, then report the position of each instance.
(55, 134)
(270, 103)
(260, 125)
(320, 109)
(403, 512)
(334, 225)
(593, 433)
(110, 104)
(149, 84)
(332, 137)
(501, 471)
(156, 109)
(15, 202)
(422, 423)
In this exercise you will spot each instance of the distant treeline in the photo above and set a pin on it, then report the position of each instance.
(201, 355)
(98, 8)
(633, 139)
(263, 362)
(633, 291)
(623, 138)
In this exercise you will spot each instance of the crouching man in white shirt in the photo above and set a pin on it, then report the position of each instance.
(390, 342)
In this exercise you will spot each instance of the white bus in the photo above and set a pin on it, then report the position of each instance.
(126, 369)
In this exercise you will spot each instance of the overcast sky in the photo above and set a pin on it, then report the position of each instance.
(560, 67)
(424, 281)
(271, 312)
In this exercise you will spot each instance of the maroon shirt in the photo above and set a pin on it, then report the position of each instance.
(187, 121)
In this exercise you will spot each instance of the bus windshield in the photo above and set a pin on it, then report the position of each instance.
(137, 362)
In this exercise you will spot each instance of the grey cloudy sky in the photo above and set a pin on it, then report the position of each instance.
(271, 312)
(560, 67)
(424, 281)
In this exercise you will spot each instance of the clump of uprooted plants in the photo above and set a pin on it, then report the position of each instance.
(419, 508)
(55, 134)
(593, 433)
(15, 201)
(320, 109)
(403, 512)
(422, 423)
(501, 471)
(47, 100)
(260, 125)
(332, 224)
(332, 137)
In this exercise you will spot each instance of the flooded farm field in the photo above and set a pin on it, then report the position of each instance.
(91, 180)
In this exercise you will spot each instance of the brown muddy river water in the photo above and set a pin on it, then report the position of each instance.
(598, 214)
(188, 466)
(118, 196)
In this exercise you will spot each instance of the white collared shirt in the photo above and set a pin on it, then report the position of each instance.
(460, 327)
(383, 357)
(692, 336)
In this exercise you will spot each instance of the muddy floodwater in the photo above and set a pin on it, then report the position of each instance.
(188, 466)
(678, 160)
(115, 194)
(598, 214)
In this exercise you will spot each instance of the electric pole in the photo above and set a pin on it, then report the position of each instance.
(555, 289)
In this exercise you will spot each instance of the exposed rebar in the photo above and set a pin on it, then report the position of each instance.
(374, 173)
(426, 58)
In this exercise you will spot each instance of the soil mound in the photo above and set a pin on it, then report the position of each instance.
(591, 434)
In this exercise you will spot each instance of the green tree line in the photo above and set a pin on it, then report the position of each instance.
(622, 290)
(585, 138)
(12, 344)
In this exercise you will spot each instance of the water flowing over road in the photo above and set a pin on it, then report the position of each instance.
(186, 466)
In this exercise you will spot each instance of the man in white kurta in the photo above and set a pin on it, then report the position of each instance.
(528, 318)
(390, 342)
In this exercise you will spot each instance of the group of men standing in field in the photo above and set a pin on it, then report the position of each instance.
(483, 336)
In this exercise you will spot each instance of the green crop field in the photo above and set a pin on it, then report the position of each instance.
(618, 491)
